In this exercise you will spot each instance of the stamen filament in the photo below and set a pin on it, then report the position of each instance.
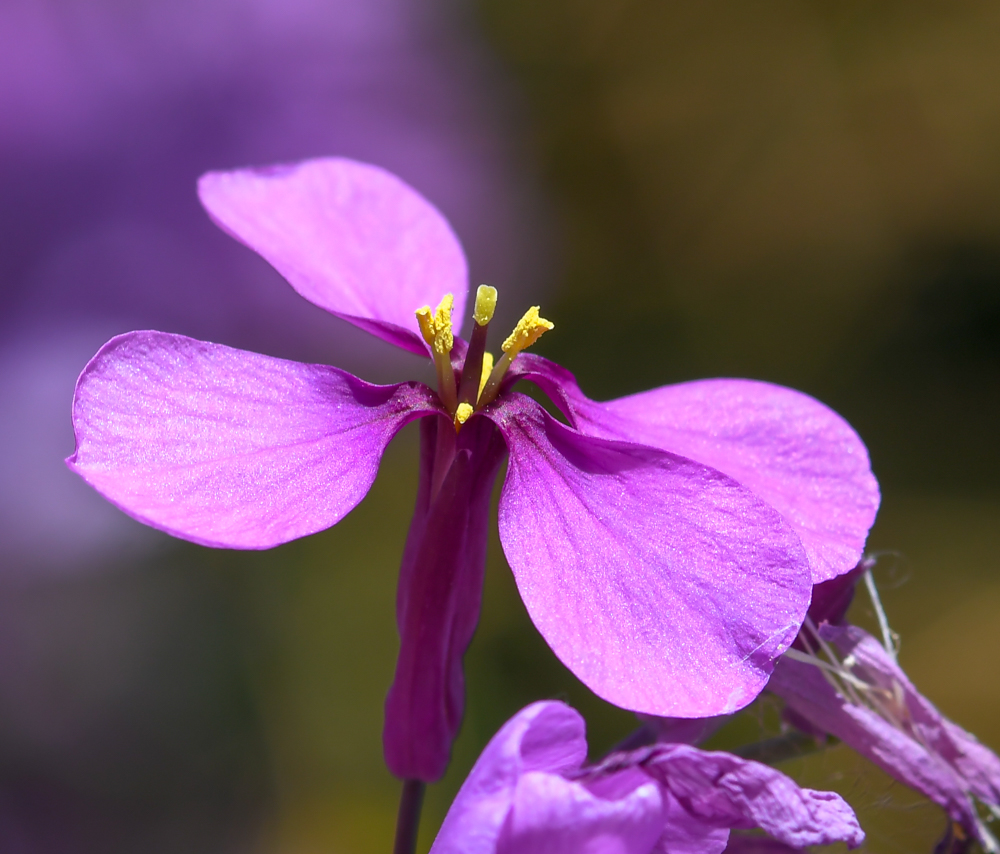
(446, 382)
(485, 375)
(492, 386)
(436, 331)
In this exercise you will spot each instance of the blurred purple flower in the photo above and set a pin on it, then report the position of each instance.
(842, 681)
(530, 792)
(667, 571)
(108, 113)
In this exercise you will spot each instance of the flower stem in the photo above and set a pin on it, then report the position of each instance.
(790, 745)
(408, 819)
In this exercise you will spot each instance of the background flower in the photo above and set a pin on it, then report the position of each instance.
(532, 791)
(839, 679)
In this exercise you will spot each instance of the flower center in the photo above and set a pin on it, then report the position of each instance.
(480, 381)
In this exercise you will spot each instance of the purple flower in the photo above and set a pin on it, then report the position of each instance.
(530, 792)
(841, 680)
(664, 544)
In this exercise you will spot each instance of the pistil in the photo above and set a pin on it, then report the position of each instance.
(468, 392)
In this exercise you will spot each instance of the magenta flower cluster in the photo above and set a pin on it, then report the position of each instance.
(666, 545)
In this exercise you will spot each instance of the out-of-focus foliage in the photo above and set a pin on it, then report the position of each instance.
(808, 193)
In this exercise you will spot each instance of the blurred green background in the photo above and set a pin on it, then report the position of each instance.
(807, 193)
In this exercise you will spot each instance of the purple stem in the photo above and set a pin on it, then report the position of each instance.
(408, 819)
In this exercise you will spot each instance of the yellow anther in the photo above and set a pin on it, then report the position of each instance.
(436, 328)
(529, 329)
(443, 339)
(425, 319)
(462, 413)
(486, 303)
(487, 370)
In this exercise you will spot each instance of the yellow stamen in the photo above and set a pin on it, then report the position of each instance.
(425, 319)
(529, 329)
(487, 370)
(486, 303)
(443, 339)
(462, 414)
(436, 327)
(436, 331)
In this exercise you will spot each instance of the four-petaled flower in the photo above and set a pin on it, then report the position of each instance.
(665, 544)
(531, 792)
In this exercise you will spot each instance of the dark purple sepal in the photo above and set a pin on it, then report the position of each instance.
(832, 599)
(439, 595)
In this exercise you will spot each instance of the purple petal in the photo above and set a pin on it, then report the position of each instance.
(728, 791)
(351, 238)
(229, 448)
(683, 833)
(792, 451)
(664, 585)
(551, 815)
(439, 596)
(979, 765)
(547, 736)
(809, 694)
